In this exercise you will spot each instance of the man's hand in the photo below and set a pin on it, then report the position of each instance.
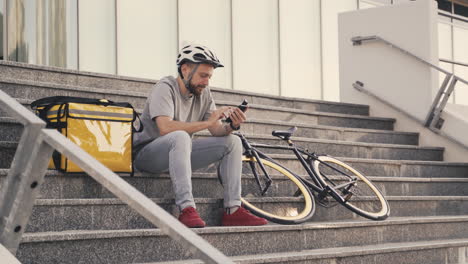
(217, 115)
(237, 116)
(219, 129)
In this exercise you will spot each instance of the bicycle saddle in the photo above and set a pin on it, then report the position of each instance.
(284, 134)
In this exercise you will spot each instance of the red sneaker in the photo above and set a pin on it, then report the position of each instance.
(242, 217)
(190, 217)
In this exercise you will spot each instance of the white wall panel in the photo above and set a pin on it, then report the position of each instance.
(445, 48)
(97, 35)
(255, 45)
(208, 22)
(460, 53)
(300, 48)
(330, 10)
(147, 38)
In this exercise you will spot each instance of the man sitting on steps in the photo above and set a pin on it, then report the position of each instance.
(175, 109)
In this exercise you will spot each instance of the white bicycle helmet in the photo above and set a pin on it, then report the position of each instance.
(197, 54)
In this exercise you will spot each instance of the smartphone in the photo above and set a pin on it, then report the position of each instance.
(242, 107)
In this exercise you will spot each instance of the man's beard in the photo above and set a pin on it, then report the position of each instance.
(193, 89)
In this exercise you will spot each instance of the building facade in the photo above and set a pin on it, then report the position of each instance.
(278, 47)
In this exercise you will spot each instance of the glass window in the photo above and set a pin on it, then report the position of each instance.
(22, 31)
(40, 30)
(300, 49)
(461, 10)
(330, 10)
(97, 45)
(56, 33)
(208, 23)
(255, 46)
(444, 5)
(147, 38)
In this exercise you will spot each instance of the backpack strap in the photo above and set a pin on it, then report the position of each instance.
(48, 102)
(54, 100)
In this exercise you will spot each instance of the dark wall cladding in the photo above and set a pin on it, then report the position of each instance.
(460, 10)
(445, 5)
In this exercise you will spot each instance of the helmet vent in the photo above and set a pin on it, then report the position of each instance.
(199, 56)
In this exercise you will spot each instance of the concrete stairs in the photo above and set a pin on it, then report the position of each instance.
(77, 221)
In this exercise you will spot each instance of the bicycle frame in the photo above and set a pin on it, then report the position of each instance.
(317, 185)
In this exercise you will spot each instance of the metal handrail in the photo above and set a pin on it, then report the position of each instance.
(454, 62)
(446, 14)
(433, 120)
(21, 187)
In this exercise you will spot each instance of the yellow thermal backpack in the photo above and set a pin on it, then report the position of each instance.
(101, 127)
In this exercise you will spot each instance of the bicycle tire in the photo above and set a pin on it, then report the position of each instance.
(299, 209)
(365, 199)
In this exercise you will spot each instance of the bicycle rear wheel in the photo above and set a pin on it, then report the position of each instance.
(362, 197)
(287, 201)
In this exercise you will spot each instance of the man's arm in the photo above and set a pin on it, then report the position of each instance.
(167, 125)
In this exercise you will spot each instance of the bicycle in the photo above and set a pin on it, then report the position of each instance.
(329, 177)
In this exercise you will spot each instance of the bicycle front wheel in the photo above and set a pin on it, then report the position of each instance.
(360, 195)
(287, 200)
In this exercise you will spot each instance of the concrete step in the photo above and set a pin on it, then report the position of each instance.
(32, 91)
(149, 245)
(349, 149)
(58, 76)
(10, 130)
(58, 185)
(316, 118)
(320, 146)
(392, 168)
(376, 167)
(26, 94)
(330, 147)
(289, 102)
(420, 252)
(259, 126)
(107, 214)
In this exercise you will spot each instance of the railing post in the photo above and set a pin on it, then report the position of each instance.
(21, 187)
(435, 103)
(436, 120)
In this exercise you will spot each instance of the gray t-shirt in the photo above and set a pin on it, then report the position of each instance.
(165, 99)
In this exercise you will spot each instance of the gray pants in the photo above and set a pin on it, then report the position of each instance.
(177, 153)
